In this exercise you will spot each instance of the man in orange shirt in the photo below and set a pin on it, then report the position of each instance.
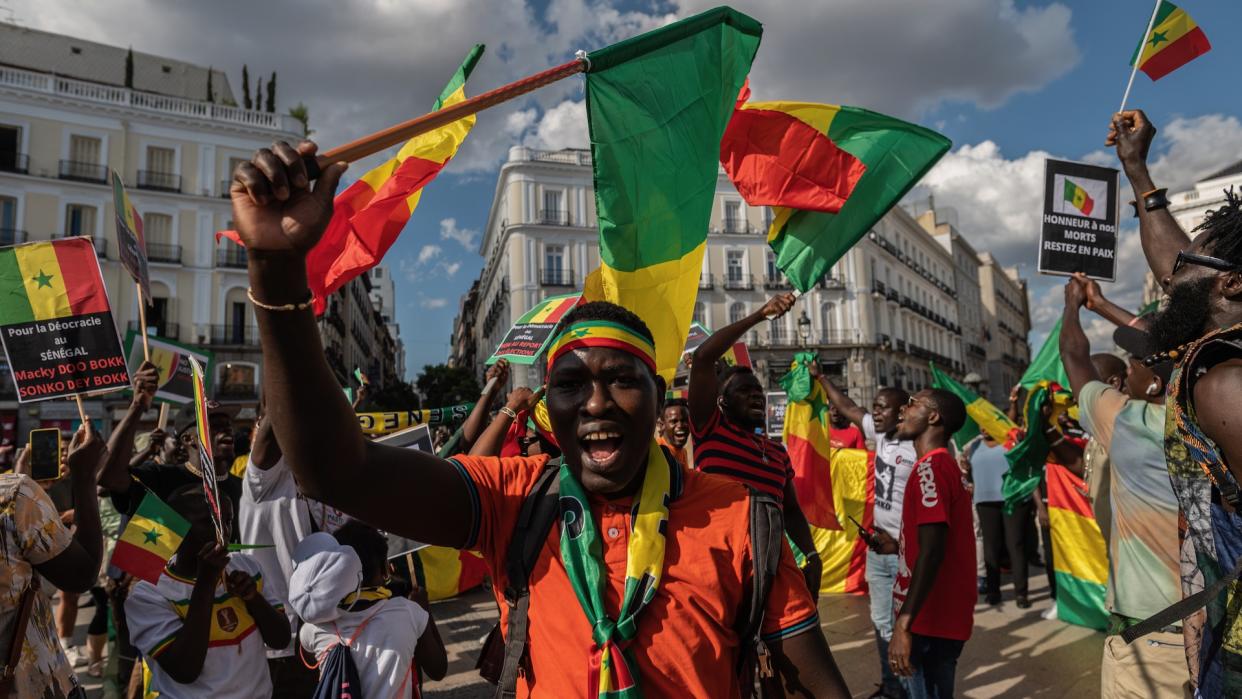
(674, 430)
(642, 583)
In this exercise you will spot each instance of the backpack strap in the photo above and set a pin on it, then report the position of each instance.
(539, 512)
(1182, 608)
(767, 535)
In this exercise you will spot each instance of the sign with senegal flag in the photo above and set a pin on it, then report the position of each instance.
(55, 321)
(1079, 229)
(132, 246)
(529, 336)
(176, 382)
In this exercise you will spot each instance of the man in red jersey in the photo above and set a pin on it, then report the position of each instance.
(935, 590)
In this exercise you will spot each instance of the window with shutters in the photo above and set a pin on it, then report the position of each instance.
(161, 160)
(85, 149)
(79, 220)
(157, 229)
(737, 311)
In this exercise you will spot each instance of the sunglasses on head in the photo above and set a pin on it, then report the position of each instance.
(1190, 258)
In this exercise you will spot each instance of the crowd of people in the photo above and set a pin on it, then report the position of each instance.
(640, 541)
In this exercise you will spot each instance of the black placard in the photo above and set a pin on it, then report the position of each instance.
(523, 343)
(1078, 232)
(65, 356)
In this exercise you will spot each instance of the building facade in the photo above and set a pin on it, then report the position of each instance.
(973, 329)
(1007, 323)
(882, 313)
(66, 119)
(384, 298)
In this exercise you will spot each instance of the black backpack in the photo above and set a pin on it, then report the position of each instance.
(504, 657)
(338, 677)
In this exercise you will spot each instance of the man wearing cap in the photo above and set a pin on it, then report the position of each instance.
(1143, 551)
(641, 586)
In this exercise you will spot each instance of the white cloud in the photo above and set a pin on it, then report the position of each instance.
(428, 253)
(1187, 149)
(450, 268)
(562, 126)
(433, 303)
(468, 238)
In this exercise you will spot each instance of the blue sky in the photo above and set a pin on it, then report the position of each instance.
(1009, 81)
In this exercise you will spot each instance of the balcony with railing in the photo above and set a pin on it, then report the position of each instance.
(739, 282)
(779, 335)
(12, 236)
(554, 217)
(158, 181)
(737, 226)
(14, 162)
(145, 101)
(976, 350)
(707, 281)
(101, 244)
(83, 172)
(832, 284)
(233, 257)
(556, 277)
(230, 335)
(777, 281)
(839, 337)
(160, 252)
(164, 329)
(237, 391)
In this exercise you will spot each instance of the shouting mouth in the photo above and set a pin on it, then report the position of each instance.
(601, 448)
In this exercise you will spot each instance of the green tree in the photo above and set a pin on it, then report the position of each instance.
(211, 93)
(271, 94)
(129, 68)
(246, 101)
(302, 113)
(398, 396)
(443, 385)
(258, 93)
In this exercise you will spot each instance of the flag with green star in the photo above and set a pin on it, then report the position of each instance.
(1174, 40)
(807, 436)
(50, 280)
(150, 539)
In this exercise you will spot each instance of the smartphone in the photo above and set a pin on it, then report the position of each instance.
(45, 454)
(863, 532)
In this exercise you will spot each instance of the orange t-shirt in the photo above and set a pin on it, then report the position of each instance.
(686, 643)
(680, 454)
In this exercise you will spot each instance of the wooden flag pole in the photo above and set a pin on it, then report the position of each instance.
(77, 397)
(162, 422)
(1134, 68)
(142, 324)
(400, 133)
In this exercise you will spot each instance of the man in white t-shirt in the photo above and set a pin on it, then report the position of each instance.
(894, 459)
(338, 590)
(198, 637)
(273, 513)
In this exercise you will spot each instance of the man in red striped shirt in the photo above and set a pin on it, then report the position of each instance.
(727, 416)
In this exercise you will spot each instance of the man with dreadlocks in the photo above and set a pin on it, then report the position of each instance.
(1200, 329)
(639, 590)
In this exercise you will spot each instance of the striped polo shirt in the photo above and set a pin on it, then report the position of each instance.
(754, 459)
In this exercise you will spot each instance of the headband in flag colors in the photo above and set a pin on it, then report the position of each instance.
(51, 280)
(211, 489)
(585, 334)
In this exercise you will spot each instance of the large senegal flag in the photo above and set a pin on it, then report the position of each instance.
(1077, 197)
(829, 171)
(841, 550)
(50, 280)
(370, 213)
(981, 414)
(1047, 365)
(657, 106)
(442, 572)
(1079, 552)
(1174, 40)
(150, 539)
(805, 436)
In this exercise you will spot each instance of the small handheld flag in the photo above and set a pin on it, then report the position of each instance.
(1173, 40)
(360, 377)
(207, 467)
(150, 539)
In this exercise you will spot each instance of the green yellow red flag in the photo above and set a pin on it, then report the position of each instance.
(1047, 365)
(1078, 198)
(1079, 552)
(806, 438)
(150, 539)
(50, 280)
(981, 414)
(657, 106)
(829, 172)
(1174, 40)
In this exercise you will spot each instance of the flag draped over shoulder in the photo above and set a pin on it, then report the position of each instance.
(657, 106)
(1047, 366)
(1174, 40)
(150, 539)
(981, 414)
(830, 171)
(806, 437)
(1079, 552)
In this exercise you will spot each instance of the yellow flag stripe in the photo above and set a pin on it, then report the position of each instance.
(44, 282)
(818, 116)
(140, 530)
(1078, 546)
(1174, 27)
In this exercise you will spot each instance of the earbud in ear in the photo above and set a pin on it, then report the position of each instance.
(1153, 389)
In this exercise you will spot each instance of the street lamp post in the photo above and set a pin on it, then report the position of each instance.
(804, 328)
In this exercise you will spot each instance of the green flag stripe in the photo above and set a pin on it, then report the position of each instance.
(638, 46)
(1166, 8)
(1047, 366)
(157, 510)
(459, 78)
(14, 303)
(943, 381)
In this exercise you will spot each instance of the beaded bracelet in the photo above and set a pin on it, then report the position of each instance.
(283, 307)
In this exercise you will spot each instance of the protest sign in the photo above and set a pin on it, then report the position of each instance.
(777, 402)
(697, 336)
(55, 321)
(530, 335)
(1079, 230)
(737, 355)
(130, 243)
(383, 423)
(206, 466)
(416, 437)
(176, 382)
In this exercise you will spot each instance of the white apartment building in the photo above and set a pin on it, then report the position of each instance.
(66, 118)
(1189, 208)
(882, 312)
(1007, 323)
(384, 298)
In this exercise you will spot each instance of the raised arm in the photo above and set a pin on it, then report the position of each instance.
(1075, 348)
(493, 438)
(114, 471)
(1096, 301)
(494, 382)
(77, 567)
(703, 387)
(280, 218)
(1162, 237)
(264, 450)
(843, 403)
